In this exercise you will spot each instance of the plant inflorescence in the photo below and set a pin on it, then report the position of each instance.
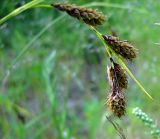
(89, 16)
(117, 76)
(123, 48)
(155, 132)
(116, 49)
(118, 82)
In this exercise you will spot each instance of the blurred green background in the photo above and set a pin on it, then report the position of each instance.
(58, 86)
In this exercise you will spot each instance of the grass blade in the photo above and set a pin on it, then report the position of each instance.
(116, 126)
(20, 10)
(24, 50)
(122, 63)
(114, 5)
(34, 40)
(131, 75)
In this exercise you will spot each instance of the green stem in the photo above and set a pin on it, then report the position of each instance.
(34, 4)
(20, 10)
(102, 39)
(43, 6)
(131, 75)
(114, 5)
(108, 49)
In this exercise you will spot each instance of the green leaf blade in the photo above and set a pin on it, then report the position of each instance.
(108, 49)
(131, 75)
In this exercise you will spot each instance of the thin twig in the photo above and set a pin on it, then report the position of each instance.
(117, 127)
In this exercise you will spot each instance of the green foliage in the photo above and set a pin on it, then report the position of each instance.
(77, 75)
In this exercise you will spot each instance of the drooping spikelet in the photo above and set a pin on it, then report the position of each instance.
(89, 16)
(117, 104)
(118, 82)
(117, 74)
(123, 48)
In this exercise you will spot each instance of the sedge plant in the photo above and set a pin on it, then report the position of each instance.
(118, 51)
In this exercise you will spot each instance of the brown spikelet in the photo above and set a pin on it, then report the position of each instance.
(117, 104)
(89, 16)
(120, 75)
(123, 48)
(118, 82)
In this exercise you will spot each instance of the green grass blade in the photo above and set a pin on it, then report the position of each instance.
(114, 5)
(131, 75)
(20, 10)
(101, 38)
(41, 130)
(122, 63)
(48, 67)
(24, 50)
(117, 127)
(43, 6)
(36, 119)
(34, 39)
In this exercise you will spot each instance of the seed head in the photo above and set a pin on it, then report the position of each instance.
(118, 82)
(123, 48)
(117, 104)
(117, 75)
(89, 16)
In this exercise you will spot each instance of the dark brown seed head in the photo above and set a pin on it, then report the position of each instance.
(117, 104)
(89, 16)
(123, 48)
(118, 82)
(117, 75)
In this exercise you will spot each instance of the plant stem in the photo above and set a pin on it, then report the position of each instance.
(109, 51)
(131, 75)
(20, 10)
(106, 46)
(102, 39)
(113, 5)
(34, 4)
(43, 6)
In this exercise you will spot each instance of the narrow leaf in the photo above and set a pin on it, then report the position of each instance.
(20, 10)
(114, 5)
(131, 75)
(122, 63)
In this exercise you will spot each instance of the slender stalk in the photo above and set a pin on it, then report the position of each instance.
(131, 75)
(35, 4)
(118, 129)
(20, 10)
(43, 6)
(24, 50)
(114, 5)
(102, 39)
(108, 49)
(34, 39)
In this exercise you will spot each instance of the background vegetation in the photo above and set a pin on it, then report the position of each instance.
(58, 85)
